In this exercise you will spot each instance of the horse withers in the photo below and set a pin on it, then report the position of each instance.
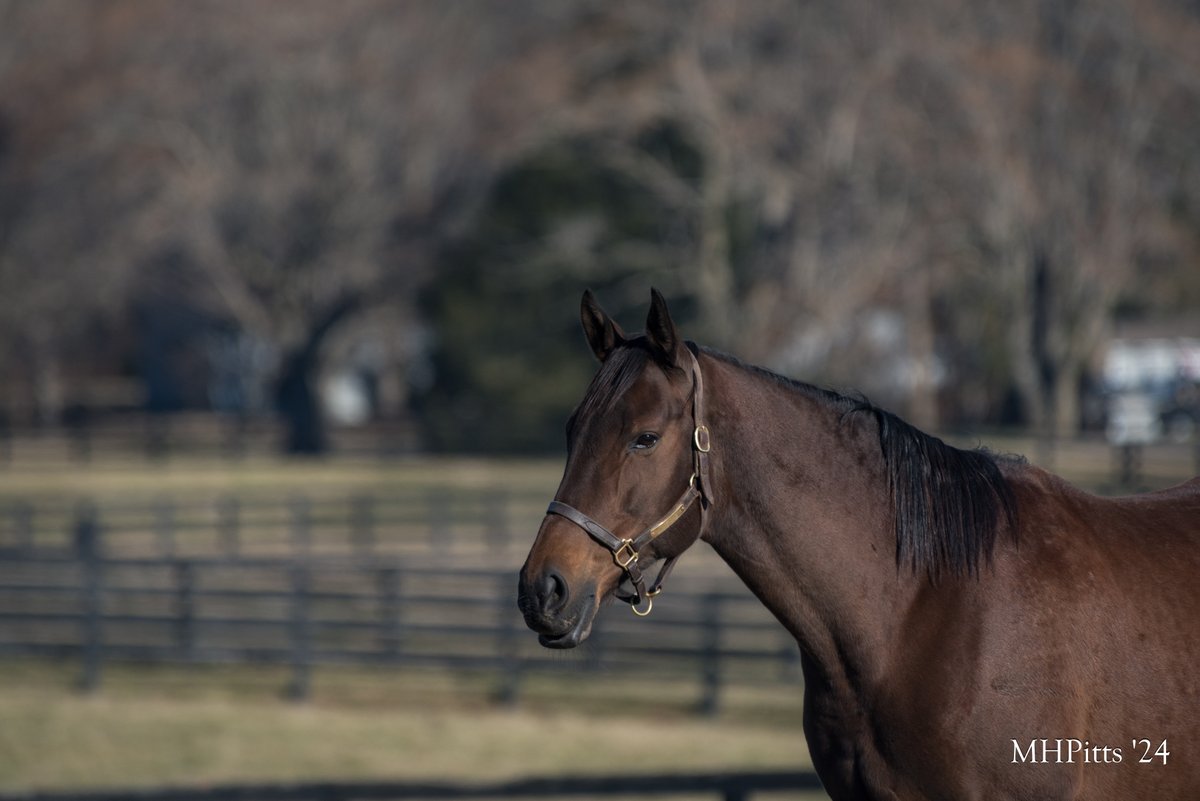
(970, 626)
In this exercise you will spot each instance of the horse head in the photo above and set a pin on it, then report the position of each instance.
(634, 443)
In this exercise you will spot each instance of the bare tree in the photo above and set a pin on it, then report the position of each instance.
(1068, 197)
(879, 196)
(281, 172)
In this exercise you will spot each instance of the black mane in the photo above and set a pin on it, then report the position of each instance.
(948, 503)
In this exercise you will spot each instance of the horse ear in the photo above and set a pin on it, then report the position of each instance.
(661, 332)
(603, 334)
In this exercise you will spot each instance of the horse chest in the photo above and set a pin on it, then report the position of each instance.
(845, 752)
(897, 749)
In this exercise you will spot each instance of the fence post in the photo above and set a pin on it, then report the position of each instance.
(711, 658)
(76, 421)
(185, 609)
(300, 633)
(1129, 464)
(6, 440)
(597, 646)
(22, 512)
(495, 510)
(506, 645)
(390, 610)
(236, 427)
(88, 549)
(439, 520)
(301, 514)
(229, 524)
(362, 523)
(157, 437)
(164, 526)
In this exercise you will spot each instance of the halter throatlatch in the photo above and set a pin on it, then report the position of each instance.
(626, 551)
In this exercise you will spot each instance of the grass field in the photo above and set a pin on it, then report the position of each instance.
(152, 726)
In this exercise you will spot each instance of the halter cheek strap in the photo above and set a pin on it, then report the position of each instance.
(626, 551)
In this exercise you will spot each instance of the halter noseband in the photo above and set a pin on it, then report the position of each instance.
(625, 551)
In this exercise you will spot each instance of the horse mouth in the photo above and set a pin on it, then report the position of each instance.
(571, 638)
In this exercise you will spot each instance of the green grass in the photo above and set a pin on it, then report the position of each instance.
(153, 726)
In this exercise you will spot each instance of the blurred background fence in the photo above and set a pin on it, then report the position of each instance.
(415, 579)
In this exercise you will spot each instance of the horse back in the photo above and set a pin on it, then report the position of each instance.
(1099, 605)
(1065, 525)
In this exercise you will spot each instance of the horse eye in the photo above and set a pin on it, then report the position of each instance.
(645, 441)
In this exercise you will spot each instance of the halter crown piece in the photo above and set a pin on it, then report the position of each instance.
(626, 551)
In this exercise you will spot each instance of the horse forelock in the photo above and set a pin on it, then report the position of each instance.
(614, 378)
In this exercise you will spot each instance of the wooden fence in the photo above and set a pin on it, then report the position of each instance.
(727, 786)
(449, 523)
(374, 583)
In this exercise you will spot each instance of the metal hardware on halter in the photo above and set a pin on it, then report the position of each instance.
(649, 607)
(675, 514)
(629, 559)
(626, 550)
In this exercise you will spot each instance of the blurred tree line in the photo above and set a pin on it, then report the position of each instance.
(947, 204)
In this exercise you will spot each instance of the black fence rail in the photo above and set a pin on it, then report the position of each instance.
(305, 604)
(727, 786)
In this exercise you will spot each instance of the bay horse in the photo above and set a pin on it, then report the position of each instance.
(970, 626)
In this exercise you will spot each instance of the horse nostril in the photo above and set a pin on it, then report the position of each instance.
(552, 593)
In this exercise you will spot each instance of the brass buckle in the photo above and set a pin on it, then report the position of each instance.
(702, 439)
(629, 559)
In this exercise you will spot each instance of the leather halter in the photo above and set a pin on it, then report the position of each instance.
(626, 551)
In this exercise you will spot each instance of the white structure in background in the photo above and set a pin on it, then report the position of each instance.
(347, 400)
(1153, 388)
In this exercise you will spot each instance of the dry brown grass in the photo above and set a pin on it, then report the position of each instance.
(152, 726)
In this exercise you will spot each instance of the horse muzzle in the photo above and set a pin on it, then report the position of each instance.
(559, 619)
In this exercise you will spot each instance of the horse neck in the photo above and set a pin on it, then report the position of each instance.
(804, 518)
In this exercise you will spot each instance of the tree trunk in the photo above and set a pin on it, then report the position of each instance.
(296, 394)
(712, 273)
(48, 393)
(924, 411)
(300, 406)
(1066, 399)
(1034, 368)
